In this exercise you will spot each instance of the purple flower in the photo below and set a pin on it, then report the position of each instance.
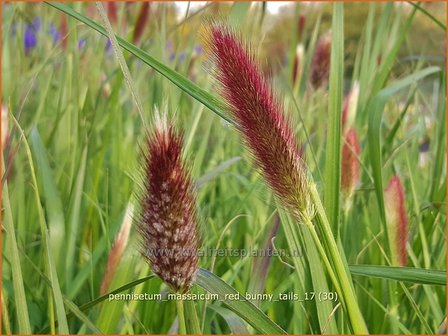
(172, 56)
(29, 38)
(169, 45)
(81, 43)
(181, 57)
(108, 45)
(54, 33)
(36, 24)
(198, 49)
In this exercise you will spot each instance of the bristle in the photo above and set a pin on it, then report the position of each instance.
(396, 220)
(351, 151)
(260, 118)
(167, 221)
(320, 65)
(141, 22)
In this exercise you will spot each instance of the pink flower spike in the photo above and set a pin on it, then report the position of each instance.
(116, 253)
(351, 150)
(397, 220)
(260, 118)
(141, 23)
(320, 64)
(167, 221)
(349, 107)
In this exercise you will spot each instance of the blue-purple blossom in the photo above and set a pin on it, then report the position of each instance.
(29, 38)
(181, 57)
(81, 43)
(36, 24)
(54, 33)
(108, 45)
(198, 49)
(30, 35)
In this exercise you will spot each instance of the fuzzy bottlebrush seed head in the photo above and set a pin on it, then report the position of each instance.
(167, 221)
(320, 64)
(260, 118)
(351, 151)
(397, 220)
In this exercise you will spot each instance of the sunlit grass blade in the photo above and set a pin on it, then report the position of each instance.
(243, 308)
(407, 274)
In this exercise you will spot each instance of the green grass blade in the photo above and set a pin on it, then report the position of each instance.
(239, 12)
(191, 318)
(75, 215)
(23, 318)
(428, 14)
(81, 316)
(409, 274)
(375, 113)
(56, 290)
(235, 323)
(333, 145)
(386, 66)
(243, 308)
(53, 203)
(318, 277)
(182, 82)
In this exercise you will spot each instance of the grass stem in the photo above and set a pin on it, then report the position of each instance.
(181, 317)
(347, 291)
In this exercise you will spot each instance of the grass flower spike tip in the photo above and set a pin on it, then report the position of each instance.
(167, 221)
(397, 221)
(260, 118)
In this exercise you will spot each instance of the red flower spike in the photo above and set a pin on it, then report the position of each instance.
(320, 64)
(351, 151)
(167, 220)
(141, 22)
(116, 253)
(397, 220)
(112, 12)
(349, 107)
(260, 118)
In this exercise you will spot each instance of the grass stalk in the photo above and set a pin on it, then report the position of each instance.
(19, 289)
(181, 317)
(347, 291)
(191, 318)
